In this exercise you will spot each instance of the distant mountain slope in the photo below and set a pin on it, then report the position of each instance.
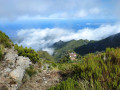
(112, 41)
(45, 56)
(62, 47)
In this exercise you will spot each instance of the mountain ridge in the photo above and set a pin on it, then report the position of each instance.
(67, 46)
(109, 42)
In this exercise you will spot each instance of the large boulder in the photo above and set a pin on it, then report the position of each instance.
(21, 64)
(24, 62)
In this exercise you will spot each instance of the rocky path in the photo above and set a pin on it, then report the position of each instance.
(42, 81)
(12, 69)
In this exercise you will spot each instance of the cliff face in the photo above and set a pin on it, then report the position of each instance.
(12, 69)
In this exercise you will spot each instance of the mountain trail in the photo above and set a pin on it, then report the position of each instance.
(42, 80)
(12, 69)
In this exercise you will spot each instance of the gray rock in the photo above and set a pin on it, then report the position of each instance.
(14, 69)
(7, 70)
(21, 64)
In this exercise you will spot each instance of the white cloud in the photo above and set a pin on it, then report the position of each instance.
(95, 11)
(49, 50)
(81, 13)
(63, 15)
(43, 38)
(12, 9)
(59, 15)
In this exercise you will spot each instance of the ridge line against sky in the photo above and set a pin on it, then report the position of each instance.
(42, 39)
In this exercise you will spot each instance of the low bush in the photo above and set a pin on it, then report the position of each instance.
(1, 55)
(4, 40)
(27, 52)
(52, 63)
(1, 52)
(65, 59)
(69, 84)
(31, 71)
(101, 70)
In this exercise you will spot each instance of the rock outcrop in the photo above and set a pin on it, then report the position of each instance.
(12, 70)
(13, 76)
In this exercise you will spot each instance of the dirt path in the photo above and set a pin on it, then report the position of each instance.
(42, 80)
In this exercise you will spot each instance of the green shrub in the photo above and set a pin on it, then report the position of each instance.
(1, 55)
(65, 59)
(1, 52)
(52, 63)
(39, 64)
(4, 40)
(31, 71)
(27, 52)
(69, 84)
(101, 70)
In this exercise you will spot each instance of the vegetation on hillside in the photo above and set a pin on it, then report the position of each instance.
(1, 55)
(69, 84)
(4, 40)
(83, 47)
(31, 71)
(45, 56)
(94, 72)
(110, 42)
(65, 59)
(27, 52)
(62, 48)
